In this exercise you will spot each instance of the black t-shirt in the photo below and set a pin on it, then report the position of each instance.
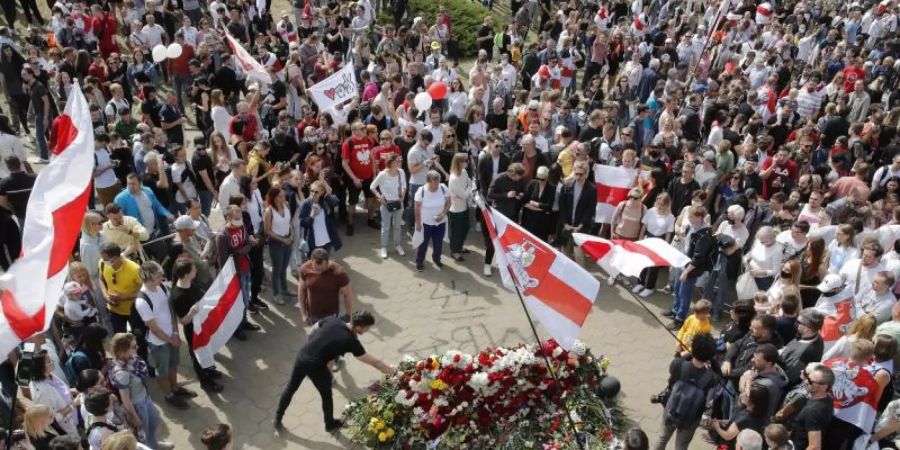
(332, 339)
(744, 420)
(496, 121)
(201, 161)
(488, 44)
(19, 181)
(150, 180)
(815, 416)
(126, 162)
(182, 299)
(38, 91)
(589, 133)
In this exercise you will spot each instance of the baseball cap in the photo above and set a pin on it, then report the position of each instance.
(831, 282)
(185, 222)
(435, 45)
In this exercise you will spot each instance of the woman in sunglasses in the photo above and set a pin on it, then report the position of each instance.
(317, 218)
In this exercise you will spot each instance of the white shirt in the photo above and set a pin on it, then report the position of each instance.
(740, 234)
(230, 186)
(866, 275)
(460, 186)
(102, 160)
(766, 258)
(389, 186)
(657, 224)
(153, 34)
(159, 312)
(179, 175)
(432, 203)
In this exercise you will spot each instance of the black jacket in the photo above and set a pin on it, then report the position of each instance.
(741, 352)
(10, 239)
(700, 250)
(539, 160)
(585, 210)
(497, 195)
(486, 171)
(540, 223)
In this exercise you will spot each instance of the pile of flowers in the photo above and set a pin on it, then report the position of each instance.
(500, 398)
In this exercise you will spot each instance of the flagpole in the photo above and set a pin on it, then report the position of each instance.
(487, 210)
(709, 36)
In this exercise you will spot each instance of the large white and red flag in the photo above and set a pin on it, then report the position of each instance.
(855, 394)
(32, 286)
(558, 291)
(253, 68)
(613, 184)
(627, 257)
(220, 313)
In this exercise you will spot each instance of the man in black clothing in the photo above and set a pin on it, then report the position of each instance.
(204, 167)
(577, 207)
(331, 338)
(10, 239)
(739, 358)
(681, 189)
(807, 347)
(810, 423)
(16, 188)
(184, 298)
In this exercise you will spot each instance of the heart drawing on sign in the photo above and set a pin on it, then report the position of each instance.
(329, 93)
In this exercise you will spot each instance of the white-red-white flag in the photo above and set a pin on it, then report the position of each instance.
(250, 66)
(627, 257)
(32, 286)
(221, 313)
(559, 292)
(613, 184)
(855, 394)
(839, 315)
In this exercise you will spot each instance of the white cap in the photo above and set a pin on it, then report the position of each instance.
(831, 282)
(184, 222)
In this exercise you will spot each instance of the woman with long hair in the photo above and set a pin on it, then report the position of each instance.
(280, 236)
(457, 98)
(222, 154)
(48, 389)
(40, 427)
(882, 368)
(862, 329)
(752, 416)
(219, 115)
(389, 187)
(79, 273)
(842, 249)
(318, 218)
(787, 282)
(253, 212)
(813, 267)
(460, 186)
(658, 222)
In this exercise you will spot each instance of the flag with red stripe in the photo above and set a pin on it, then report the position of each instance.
(55, 210)
(627, 257)
(220, 313)
(557, 291)
(840, 314)
(613, 184)
(250, 66)
(855, 396)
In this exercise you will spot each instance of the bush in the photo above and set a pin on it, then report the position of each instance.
(467, 16)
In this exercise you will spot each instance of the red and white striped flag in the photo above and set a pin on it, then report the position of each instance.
(221, 313)
(627, 257)
(855, 394)
(59, 198)
(613, 184)
(840, 315)
(250, 66)
(559, 292)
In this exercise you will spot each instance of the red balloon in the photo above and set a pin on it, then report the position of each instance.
(438, 90)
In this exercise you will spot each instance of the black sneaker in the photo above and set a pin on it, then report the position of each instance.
(372, 223)
(676, 324)
(253, 308)
(420, 268)
(336, 424)
(183, 392)
(667, 314)
(214, 374)
(211, 386)
(277, 424)
(439, 265)
(250, 326)
(240, 335)
(176, 401)
(349, 230)
(261, 305)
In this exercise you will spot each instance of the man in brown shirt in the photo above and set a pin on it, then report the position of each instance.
(322, 282)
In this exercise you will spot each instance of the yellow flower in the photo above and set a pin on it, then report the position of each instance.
(438, 384)
(373, 420)
(389, 433)
(379, 426)
(382, 437)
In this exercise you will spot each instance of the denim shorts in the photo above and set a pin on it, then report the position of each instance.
(165, 358)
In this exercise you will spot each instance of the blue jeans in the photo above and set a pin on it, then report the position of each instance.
(206, 199)
(280, 254)
(245, 291)
(435, 234)
(390, 222)
(40, 130)
(182, 84)
(684, 291)
(150, 418)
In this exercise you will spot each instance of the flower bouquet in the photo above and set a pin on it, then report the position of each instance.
(500, 398)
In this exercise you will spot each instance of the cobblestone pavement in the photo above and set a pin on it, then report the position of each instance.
(417, 314)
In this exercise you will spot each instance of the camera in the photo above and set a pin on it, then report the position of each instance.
(23, 366)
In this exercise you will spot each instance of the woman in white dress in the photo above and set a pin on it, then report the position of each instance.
(219, 114)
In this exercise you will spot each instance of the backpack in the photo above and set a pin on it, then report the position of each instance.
(146, 298)
(688, 397)
(69, 367)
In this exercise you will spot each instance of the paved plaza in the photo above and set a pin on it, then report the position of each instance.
(417, 314)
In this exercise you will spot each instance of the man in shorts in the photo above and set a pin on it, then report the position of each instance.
(152, 305)
(357, 161)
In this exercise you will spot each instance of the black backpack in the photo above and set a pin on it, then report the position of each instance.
(688, 397)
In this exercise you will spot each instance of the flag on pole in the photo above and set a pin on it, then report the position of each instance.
(613, 184)
(855, 394)
(250, 66)
(221, 312)
(627, 257)
(32, 286)
(557, 291)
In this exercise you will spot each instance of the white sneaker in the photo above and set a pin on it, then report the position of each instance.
(612, 280)
(400, 250)
(637, 288)
(382, 253)
(646, 293)
(487, 270)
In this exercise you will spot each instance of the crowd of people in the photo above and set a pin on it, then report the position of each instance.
(762, 138)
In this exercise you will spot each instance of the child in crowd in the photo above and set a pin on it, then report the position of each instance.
(696, 323)
(78, 309)
(777, 437)
(761, 303)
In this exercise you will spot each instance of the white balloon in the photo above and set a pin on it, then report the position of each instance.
(174, 50)
(422, 101)
(159, 53)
